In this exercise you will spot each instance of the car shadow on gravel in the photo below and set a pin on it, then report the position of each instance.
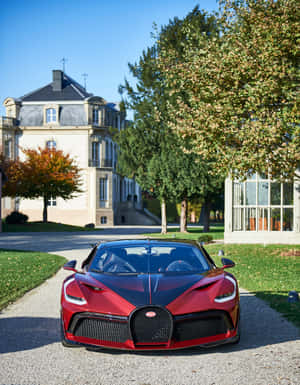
(27, 333)
(260, 326)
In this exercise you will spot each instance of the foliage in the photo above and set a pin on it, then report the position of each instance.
(217, 232)
(45, 173)
(21, 271)
(206, 238)
(16, 218)
(153, 205)
(149, 150)
(267, 272)
(234, 97)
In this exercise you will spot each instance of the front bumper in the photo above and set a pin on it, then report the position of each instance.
(209, 328)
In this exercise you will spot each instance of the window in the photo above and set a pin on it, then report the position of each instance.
(260, 204)
(50, 115)
(95, 116)
(103, 220)
(103, 185)
(51, 202)
(8, 148)
(96, 154)
(51, 144)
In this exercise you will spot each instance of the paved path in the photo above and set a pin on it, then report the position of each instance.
(31, 353)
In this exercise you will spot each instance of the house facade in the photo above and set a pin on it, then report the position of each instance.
(261, 210)
(64, 115)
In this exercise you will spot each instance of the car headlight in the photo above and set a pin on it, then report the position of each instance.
(71, 294)
(228, 290)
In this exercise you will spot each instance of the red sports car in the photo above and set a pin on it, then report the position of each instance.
(149, 295)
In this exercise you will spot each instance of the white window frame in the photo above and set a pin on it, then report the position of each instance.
(95, 114)
(103, 191)
(243, 207)
(50, 115)
(54, 116)
(52, 202)
(8, 146)
(51, 144)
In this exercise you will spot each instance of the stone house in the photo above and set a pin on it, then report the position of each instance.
(64, 115)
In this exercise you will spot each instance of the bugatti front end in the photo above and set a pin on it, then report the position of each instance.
(149, 295)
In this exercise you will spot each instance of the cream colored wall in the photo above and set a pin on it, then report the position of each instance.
(71, 141)
(74, 142)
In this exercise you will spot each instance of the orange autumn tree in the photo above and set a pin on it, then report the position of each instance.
(45, 173)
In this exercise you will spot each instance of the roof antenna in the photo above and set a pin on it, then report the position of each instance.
(84, 78)
(64, 60)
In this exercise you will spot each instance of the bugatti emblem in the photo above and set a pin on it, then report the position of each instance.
(150, 314)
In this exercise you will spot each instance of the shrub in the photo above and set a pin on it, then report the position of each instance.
(90, 226)
(15, 218)
(205, 238)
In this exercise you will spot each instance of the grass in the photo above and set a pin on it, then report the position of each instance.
(42, 227)
(216, 231)
(21, 271)
(267, 273)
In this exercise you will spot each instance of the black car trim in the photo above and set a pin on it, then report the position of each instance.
(148, 296)
(107, 317)
(151, 308)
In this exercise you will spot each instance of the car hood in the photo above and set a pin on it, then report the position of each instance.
(149, 289)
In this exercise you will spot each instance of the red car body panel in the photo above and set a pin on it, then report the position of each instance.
(185, 298)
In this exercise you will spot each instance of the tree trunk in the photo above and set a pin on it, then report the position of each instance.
(183, 216)
(206, 216)
(45, 211)
(163, 217)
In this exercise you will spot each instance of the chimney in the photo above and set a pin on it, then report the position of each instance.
(57, 80)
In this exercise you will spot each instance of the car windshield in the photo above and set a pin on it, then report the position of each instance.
(149, 259)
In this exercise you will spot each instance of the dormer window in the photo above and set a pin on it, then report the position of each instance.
(50, 115)
(95, 116)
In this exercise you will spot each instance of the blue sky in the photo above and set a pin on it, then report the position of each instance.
(96, 37)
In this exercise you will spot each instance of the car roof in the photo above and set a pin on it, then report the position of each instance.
(150, 242)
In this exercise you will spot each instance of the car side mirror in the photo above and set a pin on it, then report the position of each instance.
(70, 265)
(227, 263)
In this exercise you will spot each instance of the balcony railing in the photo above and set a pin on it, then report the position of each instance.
(102, 163)
(8, 122)
(94, 163)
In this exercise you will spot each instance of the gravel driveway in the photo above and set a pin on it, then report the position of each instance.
(31, 353)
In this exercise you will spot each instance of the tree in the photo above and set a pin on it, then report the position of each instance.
(45, 173)
(234, 97)
(149, 150)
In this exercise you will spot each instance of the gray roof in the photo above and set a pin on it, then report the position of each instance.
(114, 106)
(71, 90)
(69, 115)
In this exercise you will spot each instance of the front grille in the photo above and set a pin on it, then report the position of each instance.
(100, 327)
(199, 325)
(148, 330)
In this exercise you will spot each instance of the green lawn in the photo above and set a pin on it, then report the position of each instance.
(266, 272)
(21, 271)
(217, 232)
(42, 227)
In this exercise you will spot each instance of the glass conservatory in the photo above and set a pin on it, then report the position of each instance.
(260, 210)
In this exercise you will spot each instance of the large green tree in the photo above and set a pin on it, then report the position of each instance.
(235, 98)
(149, 150)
